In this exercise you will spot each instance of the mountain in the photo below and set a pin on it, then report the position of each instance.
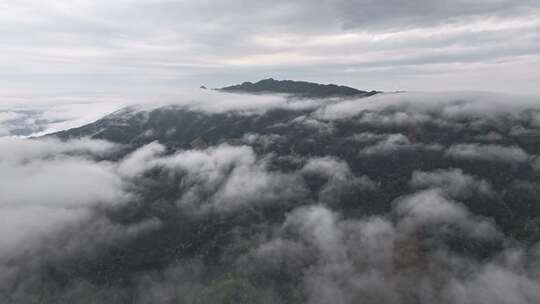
(225, 205)
(387, 144)
(298, 88)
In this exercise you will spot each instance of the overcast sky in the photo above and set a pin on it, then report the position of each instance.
(114, 47)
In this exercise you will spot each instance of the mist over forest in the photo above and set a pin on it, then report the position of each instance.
(272, 198)
(276, 152)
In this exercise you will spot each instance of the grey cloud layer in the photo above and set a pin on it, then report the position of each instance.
(119, 46)
(48, 184)
(164, 224)
(68, 177)
(36, 116)
(377, 260)
(45, 115)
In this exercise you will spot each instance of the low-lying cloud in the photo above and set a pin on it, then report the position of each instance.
(329, 201)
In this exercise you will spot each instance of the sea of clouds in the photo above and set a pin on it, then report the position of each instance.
(70, 209)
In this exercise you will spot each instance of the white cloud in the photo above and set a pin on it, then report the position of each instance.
(367, 137)
(59, 183)
(223, 178)
(339, 178)
(21, 227)
(39, 117)
(53, 173)
(429, 207)
(346, 260)
(489, 137)
(397, 142)
(9, 116)
(327, 166)
(265, 140)
(512, 154)
(44, 115)
(451, 181)
(496, 283)
(420, 107)
(15, 150)
(47, 184)
(397, 119)
(317, 225)
(140, 160)
(315, 124)
(390, 144)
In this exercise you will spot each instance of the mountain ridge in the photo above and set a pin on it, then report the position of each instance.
(303, 89)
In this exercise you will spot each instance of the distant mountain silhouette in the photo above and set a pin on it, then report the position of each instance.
(298, 88)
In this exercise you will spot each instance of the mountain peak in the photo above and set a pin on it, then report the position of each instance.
(298, 88)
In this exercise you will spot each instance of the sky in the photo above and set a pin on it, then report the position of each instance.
(82, 47)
